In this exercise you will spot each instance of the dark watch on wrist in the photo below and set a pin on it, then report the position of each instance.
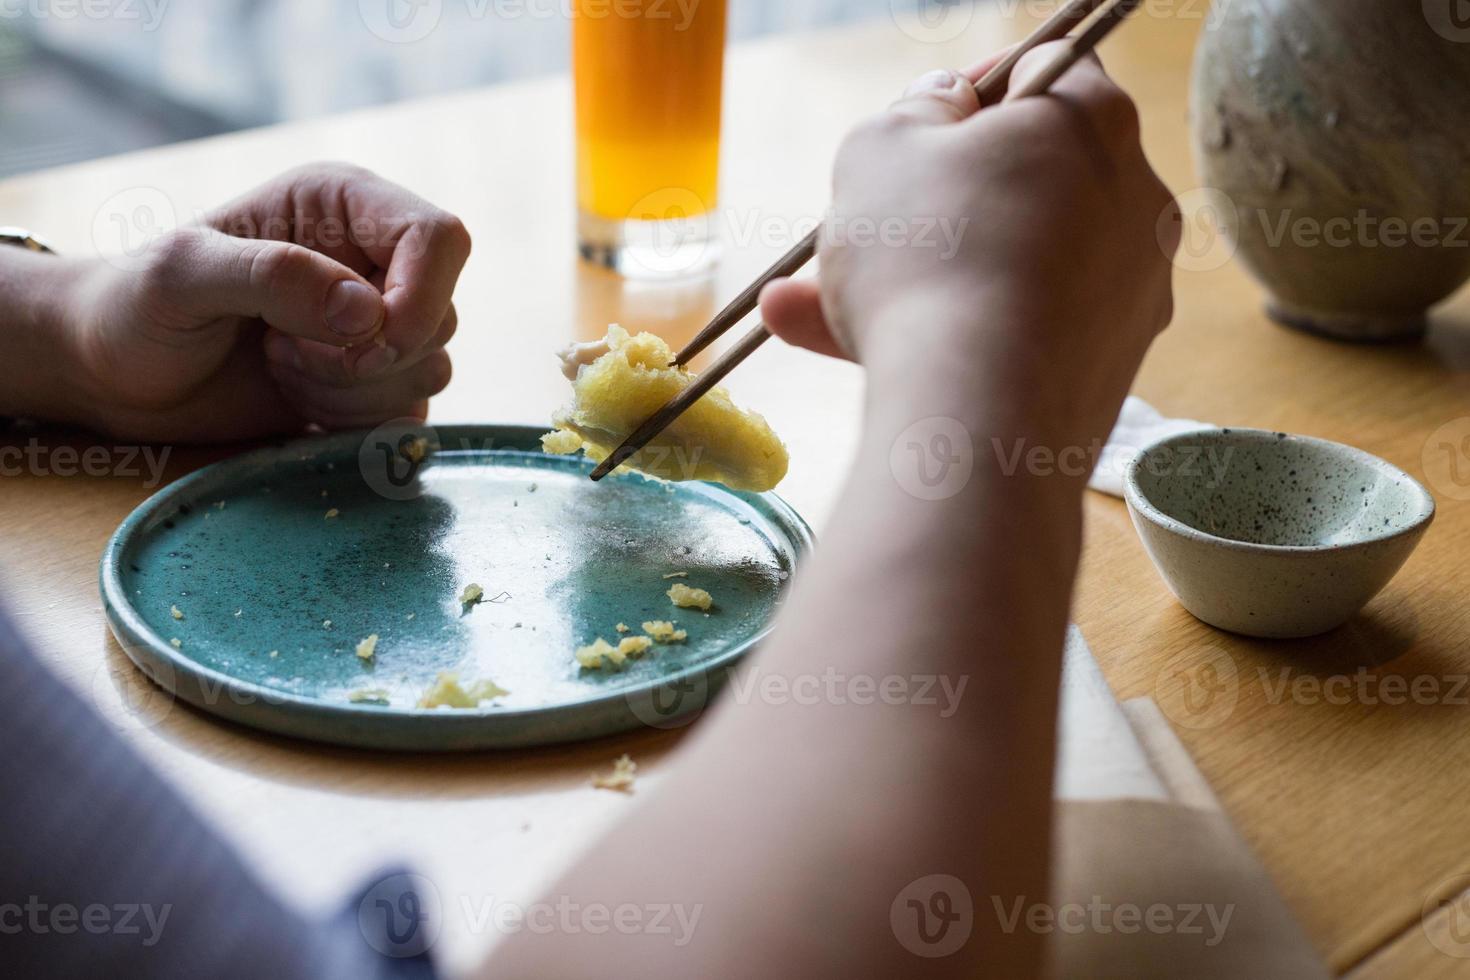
(26, 240)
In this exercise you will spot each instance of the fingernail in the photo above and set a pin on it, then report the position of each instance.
(375, 361)
(937, 80)
(353, 309)
(281, 349)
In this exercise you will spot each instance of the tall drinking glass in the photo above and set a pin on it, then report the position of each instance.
(649, 79)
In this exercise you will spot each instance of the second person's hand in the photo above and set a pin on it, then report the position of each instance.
(322, 297)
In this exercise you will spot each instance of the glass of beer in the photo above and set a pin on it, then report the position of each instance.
(649, 78)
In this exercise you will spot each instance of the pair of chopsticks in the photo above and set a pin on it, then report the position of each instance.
(991, 86)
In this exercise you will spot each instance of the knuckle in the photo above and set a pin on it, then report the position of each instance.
(277, 268)
(170, 258)
(449, 228)
(1117, 113)
(1171, 230)
(438, 372)
(870, 133)
(319, 169)
(450, 327)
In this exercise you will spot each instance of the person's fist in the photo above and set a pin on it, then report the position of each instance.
(323, 297)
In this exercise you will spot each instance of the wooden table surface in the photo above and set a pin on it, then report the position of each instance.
(1356, 806)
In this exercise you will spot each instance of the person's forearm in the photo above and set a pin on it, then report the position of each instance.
(35, 378)
(793, 824)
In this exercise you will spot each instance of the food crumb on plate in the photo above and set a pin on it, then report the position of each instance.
(592, 656)
(471, 595)
(677, 575)
(634, 646)
(624, 772)
(689, 598)
(176, 643)
(414, 450)
(621, 627)
(664, 632)
(448, 692)
(175, 612)
(373, 696)
(332, 514)
(600, 653)
(368, 648)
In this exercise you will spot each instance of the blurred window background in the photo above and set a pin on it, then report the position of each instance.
(87, 78)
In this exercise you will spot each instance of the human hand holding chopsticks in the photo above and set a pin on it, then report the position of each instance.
(1042, 260)
(1098, 18)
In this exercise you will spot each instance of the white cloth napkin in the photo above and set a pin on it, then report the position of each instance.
(1137, 830)
(1098, 755)
(1139, 426)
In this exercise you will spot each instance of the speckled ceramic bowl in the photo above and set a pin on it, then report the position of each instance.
(1273, 535)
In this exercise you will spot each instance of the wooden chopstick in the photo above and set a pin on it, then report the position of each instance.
(1113, 13)
(990, 87)
(1081, 44)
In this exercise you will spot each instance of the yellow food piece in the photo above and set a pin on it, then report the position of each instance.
(368, 647)
(374, 696)
(685, 597)
(562, 442)
(714, 440)
(593, 655)
(664, 632)
(176, 643)
(634, 646)
(448, 692)
(472, 594)
(331, 514)
(175, 613)
(600, 652)
(621, 627)
(415, 449)
(621, 778)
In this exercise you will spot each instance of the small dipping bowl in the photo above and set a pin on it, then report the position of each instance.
(1269, 534)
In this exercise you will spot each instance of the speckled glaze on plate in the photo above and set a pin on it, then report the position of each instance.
(1269, 534)
(246, 552)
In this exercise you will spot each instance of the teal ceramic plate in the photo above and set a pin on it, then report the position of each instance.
(275, 595)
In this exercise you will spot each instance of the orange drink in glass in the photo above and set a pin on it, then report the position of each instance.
(649, 78)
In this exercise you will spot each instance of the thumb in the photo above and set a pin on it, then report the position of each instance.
(941, 97)
(297, 291)
(792, 310)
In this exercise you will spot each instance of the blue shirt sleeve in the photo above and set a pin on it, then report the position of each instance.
(105, 871)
